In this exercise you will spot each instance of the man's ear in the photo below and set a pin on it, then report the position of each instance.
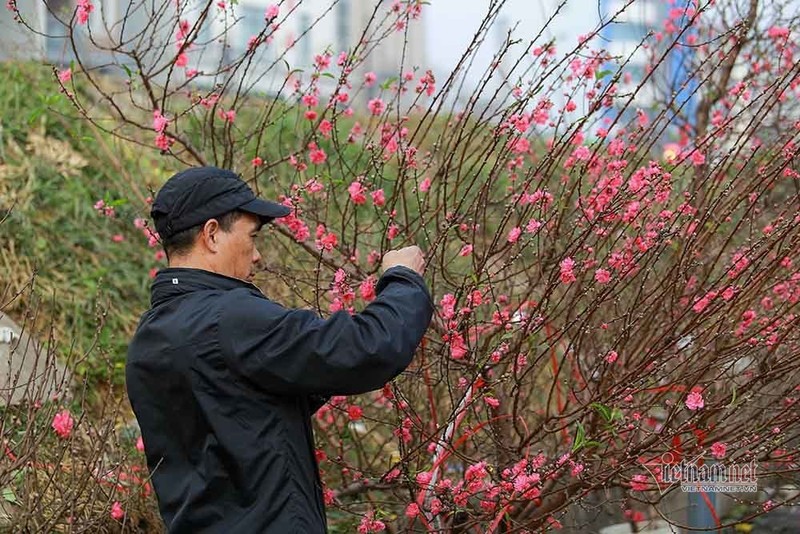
(209, 236)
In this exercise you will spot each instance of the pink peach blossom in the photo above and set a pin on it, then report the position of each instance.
(117, 513)
(778, 32)
(694, 401)
(356, 190)
(376, 106)
(378, 197)
(317, 156)
(602, 276)
(354, 412)
(325, 127)
(160, 122)
(63, 423)
(367, 289)
(271, 12)
(85, 7)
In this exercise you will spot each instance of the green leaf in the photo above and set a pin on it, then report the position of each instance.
(388, 83)
(580, 438)
(328, 75)
(604, 411)
(602, 74)
(35, 114)
(9, 496)
(127, 70)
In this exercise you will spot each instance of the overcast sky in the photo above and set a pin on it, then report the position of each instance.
(451, 24)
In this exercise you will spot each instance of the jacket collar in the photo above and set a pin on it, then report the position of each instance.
(172, 282)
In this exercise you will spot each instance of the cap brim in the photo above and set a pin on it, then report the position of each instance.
(265, 209)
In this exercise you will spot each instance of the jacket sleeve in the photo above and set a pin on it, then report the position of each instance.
(294, 351)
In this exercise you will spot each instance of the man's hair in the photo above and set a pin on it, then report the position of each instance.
(182, 242)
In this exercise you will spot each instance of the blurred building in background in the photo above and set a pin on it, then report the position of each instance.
(624, 39)
(306, 29)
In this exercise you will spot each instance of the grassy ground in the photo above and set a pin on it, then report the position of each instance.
(53, 168)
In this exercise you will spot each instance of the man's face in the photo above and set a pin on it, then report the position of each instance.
(238, 255)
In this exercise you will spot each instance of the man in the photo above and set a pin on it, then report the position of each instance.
(224, 381)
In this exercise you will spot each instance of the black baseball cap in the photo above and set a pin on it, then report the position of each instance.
(197, 194)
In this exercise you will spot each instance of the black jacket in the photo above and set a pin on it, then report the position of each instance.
(223, 382)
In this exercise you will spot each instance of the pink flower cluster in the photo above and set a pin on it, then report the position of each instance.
(63, 424)
(404, 430)
(152, 236)
(103, 209)
(316, 155)
(65, 75)
(181, 45)
(85, 7)
(458, 348)
(160, 124)
(740, 262)
(567, 274)
(293, 222)
(325, 240)
(367, 289)
(271, 12)
(343, 294)
(427, 83)
(354, 413)
(694, 401)
(376, 106)
(117, 513)
(358, 194)
(370, 524)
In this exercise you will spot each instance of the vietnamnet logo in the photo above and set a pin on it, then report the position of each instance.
(701, 475)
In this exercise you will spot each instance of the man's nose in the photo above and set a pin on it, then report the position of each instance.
(256, 256)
